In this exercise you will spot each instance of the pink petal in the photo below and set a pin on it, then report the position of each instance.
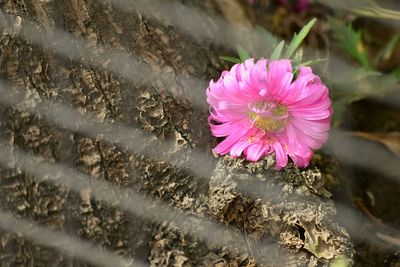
(237, 148)
(281, 156)
(225, 129)
(311, 115)
(301, 155)
(224, 147)
(276, 73)
(255, 151)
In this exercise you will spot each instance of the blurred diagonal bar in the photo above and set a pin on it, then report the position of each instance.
(364, 8)
(125, 137)
(368, 155)
(55, 239)
(197, 23)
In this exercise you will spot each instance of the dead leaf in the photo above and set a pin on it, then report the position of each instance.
(390, 140)
(234, 12)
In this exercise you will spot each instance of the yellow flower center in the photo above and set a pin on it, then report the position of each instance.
(268, 116)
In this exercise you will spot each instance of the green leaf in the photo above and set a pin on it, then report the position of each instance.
(396, 73)
(350, 41)
(298, 38)
(231, 59)
(298, 57)
(312, 62)
(271, 40)
(386, 52)
(243, 54)
(276, 54)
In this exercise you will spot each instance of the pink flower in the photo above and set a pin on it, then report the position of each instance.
(263, 108)
(297, 5)
(301, 5)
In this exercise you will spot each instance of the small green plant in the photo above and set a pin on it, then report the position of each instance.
(350, 41)
(279, 50)
(363, 80)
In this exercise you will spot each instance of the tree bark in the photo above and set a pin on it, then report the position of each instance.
(151, 105)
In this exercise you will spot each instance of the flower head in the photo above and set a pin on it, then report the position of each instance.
(263, 108)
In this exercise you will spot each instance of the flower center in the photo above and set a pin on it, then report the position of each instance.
(268, 115)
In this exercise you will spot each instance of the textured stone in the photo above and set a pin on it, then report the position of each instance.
(290, 207)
